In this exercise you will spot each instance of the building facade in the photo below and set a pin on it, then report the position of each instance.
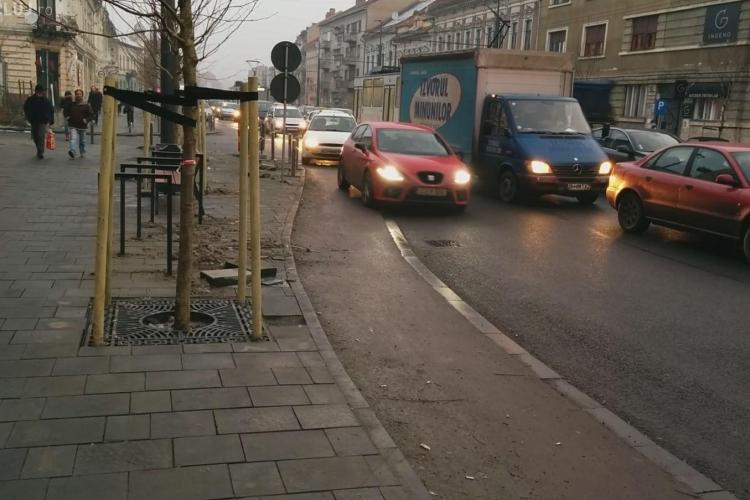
(342, 46)
(47, 44)
(680, 66)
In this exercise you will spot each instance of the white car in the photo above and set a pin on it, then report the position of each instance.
(325, 137)
(295, 123)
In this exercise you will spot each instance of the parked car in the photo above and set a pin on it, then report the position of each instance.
(700, 186)
(398, 162)
(295, 122)
(325, 137)
(626, 144)
(229, 111)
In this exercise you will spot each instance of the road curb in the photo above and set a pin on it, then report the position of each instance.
(701, 486)
(366, 416)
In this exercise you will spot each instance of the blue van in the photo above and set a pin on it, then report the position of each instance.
(534, 145)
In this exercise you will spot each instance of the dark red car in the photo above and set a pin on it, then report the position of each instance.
(703, 187)
(399, 162)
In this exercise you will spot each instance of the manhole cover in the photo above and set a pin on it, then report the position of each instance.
(150, 322)
(443, 243)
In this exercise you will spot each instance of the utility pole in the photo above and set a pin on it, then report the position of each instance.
(317, 83)
(168, 72)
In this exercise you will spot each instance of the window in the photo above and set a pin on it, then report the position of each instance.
(743, 159)
(708, 164)
(458, 41)
(527, 35)
(635, 101)
(449, 39)
(644, 33)
(411, 142)
(513, 35)
(553, 3)
(366, 136)
(672, 161)
(367, 93)
(440, 44)
(556, 40)
(593, 42)
(615, 139)
(467, 39)
(489, 37)
(479, 37)
(707, 109)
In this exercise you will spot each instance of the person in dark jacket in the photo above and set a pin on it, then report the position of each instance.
(65, 103)
(80, 116)
(128, 110)
(40, 114)
(95, 101)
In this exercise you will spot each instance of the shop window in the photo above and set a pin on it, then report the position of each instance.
(635, 101)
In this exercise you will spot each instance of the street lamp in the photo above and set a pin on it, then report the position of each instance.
(257, 62)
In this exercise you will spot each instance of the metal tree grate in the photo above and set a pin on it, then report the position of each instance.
(443, 243)
(130, 322)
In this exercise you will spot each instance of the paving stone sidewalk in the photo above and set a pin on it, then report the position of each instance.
(246, 420)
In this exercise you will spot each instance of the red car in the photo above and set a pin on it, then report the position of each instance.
(399, 162)
(703, 187)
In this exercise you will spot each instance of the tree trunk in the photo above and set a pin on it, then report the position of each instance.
(185, 259)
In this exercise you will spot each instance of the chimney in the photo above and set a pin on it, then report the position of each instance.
(331, 12)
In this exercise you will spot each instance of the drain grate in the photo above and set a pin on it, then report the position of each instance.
(146, 322)
(443, 243)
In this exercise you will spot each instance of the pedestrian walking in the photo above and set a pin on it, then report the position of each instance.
(95, 101)
(40, 114)
(65, 103)
(80, 116)
(128, 110)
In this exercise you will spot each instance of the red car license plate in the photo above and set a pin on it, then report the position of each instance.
(432, 192)
(579, 187)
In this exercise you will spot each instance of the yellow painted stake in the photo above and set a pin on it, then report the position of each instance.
(103, 218)
(242, 263)
(146, 133)
(108, 288)
(255, 212)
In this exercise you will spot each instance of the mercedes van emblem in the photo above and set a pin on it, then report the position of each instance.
(577, 168)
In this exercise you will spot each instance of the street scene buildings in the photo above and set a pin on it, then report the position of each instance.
(492, 250)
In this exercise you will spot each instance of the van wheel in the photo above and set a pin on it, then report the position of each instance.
(630, 214)
(746, 244)
(341, 176)
(587, 199)
(507, 187)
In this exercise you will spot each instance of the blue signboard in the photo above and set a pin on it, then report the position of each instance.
(441, 94)
(661, 107)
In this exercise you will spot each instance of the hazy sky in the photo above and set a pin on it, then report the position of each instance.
(255, 40)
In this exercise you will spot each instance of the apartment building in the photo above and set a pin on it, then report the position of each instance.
(677, 65)
(341, 48)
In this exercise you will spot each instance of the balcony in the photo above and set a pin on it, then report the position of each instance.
(351, 60)
(351, 38)
(55, 26)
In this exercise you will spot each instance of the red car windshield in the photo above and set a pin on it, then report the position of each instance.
(411, 142)
(743, 159)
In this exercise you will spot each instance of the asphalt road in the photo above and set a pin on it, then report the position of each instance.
(654, 326)
(433, 379)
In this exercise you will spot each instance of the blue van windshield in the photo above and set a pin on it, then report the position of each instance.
(548, 117)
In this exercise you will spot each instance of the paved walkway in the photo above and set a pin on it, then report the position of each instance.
(242, 420)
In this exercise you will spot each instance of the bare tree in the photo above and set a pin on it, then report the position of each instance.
(195, 30)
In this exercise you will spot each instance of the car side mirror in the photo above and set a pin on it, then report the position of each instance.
(361, 146)
(458, 152)
(726, 180)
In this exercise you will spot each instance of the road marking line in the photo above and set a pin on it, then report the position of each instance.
(660, 457)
